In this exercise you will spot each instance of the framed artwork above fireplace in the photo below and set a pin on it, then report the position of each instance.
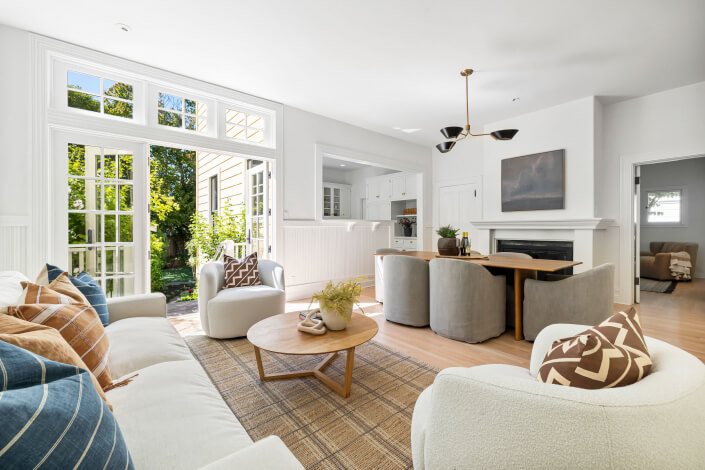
(534, 182)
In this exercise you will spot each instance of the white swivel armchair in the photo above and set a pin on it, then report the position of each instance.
(499, 416)
(229, 313)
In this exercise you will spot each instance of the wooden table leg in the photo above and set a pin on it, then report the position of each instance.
(520, 275)
(317, 372)
(350, 360)
(518, 305)
(260, 368)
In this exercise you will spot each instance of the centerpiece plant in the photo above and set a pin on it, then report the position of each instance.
(337, 300)
(448, 243)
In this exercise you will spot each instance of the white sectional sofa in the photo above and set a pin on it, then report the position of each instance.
(171, 415)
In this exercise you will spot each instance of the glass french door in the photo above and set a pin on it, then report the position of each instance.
(99, 210)
(258, 210)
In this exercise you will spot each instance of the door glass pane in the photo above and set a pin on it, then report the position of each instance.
(101, 215)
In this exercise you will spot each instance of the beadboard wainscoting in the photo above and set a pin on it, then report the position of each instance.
(318, 252)
(13, 244)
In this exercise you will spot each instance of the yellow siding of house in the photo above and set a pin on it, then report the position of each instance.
(231, 181)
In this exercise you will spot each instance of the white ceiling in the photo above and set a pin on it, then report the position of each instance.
(395, 63)
(340, 165)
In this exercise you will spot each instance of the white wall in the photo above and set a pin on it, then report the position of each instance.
(15, 136)
(347, 247)
(304, 130)
(660, 126)
(690, 175)
(569, 126)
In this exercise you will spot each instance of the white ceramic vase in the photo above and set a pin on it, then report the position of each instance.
(332, 320)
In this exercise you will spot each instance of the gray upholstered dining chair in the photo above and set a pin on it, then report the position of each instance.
(406, 290)
(509, 273)
(467, 301)
(586, 298)
(379, 272)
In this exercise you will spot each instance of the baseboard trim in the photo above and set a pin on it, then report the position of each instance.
(304, 291)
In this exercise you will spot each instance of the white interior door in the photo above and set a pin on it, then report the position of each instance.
(459, 205)
(100, 211)
(637, 234)
(258, 210)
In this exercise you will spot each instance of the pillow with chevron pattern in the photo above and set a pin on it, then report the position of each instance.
(241, 273)
(52, 416)
(612, 354)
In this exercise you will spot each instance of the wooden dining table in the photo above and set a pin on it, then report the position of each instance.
(522, 267)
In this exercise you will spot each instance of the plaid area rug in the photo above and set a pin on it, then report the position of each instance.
(369, 429)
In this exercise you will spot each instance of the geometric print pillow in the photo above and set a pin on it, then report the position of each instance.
(241, 273)
(612, 354)
(52, 416)
(77, 322)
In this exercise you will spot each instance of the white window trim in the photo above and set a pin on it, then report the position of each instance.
(210, 174)
(684, 206)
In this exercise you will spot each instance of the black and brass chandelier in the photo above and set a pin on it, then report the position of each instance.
(456, 133)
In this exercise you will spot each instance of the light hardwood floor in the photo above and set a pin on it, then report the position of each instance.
(678, 318)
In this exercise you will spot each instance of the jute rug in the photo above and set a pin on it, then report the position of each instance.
(652, 285)
(369, 429)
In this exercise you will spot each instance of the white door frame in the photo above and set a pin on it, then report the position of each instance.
(265, 169)
(627, 254)
(58, 247)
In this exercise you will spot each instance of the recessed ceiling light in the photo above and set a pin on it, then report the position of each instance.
(406, 131)
(342, 164)
(123, 27)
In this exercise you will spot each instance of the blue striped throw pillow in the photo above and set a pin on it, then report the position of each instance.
(53, 417)
(89, 287)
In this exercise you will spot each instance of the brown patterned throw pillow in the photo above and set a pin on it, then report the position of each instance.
(612, 354)
(241, 273)
(43, 341)
(77, 322)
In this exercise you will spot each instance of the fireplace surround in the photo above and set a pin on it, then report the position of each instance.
(540, 249)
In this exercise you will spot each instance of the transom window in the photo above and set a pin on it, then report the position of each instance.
(664, 206)
(99, 95)
(184, 113)
(243, 126)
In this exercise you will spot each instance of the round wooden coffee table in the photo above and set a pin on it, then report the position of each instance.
(278, 334)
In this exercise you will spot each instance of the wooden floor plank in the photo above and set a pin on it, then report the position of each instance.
(677, 318)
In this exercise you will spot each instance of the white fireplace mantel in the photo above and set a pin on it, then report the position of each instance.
(556, 224)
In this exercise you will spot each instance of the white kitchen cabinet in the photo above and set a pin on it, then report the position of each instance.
(411, 183)
(378, 189)
(379, 210)
(336, 200)
(405, 244)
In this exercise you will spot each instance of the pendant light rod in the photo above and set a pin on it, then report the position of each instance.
(459, 133)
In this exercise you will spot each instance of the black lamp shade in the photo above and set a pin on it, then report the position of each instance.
(504, 134)
(451, 132)
(445, 146)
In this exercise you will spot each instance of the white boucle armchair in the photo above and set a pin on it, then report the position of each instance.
(229, 313)
(499, 416)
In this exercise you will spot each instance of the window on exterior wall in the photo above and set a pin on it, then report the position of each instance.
(243, 126)
(664, 206)
(213, 203)
(181, 112)
(99, 95)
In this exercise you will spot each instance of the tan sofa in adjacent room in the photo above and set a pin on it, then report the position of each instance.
(655, 263)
